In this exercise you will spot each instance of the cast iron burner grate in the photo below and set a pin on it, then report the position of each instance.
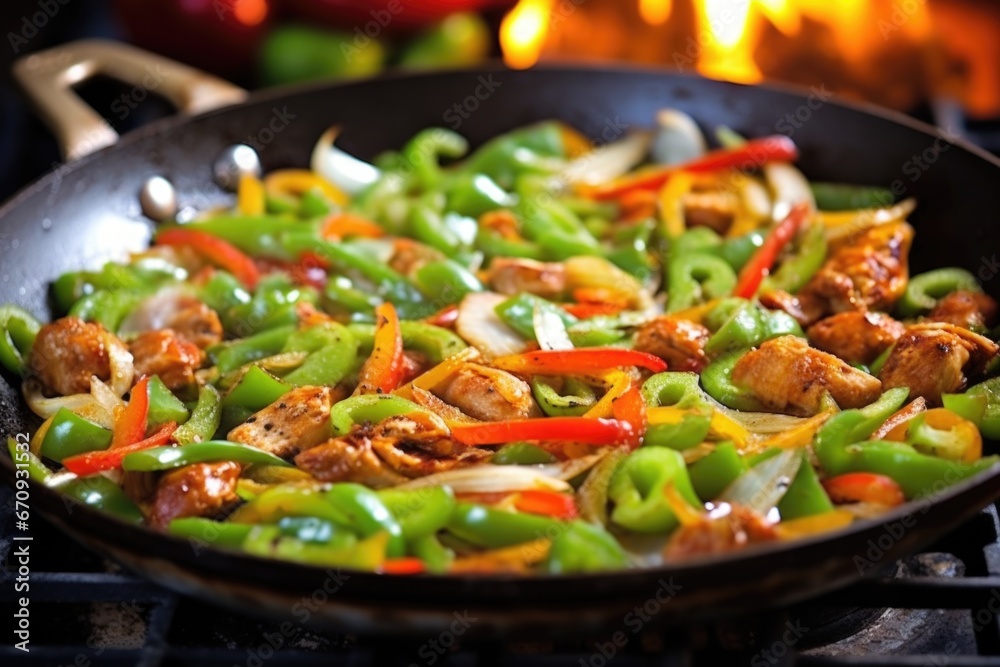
(936, 611)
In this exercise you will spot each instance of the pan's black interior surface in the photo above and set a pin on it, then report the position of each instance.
(86, 213)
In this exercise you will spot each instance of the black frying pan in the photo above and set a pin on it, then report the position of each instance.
(88, 211)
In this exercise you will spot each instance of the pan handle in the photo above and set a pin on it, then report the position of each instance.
(48, 78)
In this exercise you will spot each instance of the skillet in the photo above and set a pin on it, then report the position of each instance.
(88, 211)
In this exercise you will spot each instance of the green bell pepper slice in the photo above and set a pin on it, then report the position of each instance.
(223, 291)
(256, 235)
(421, 154)
(256, 390)
(344, 551)
(475, 194)
(446, 281)
(521, 454)
(989, 390)
(805, 495)
(427, 225)
(518, 312)
(689, 432)
(205, 418)
(420, 512)
(102, 494)
(272, 305)
(367, 514)
(576, 399)
(494, 245)
(163, 405)
(795, 271)
(18, 329)
(25, 459)
(371, 409)
(70, 434)
(924, 290)
(717, 380)
(209, 532)
(849, 197)
(230, 356)
(712, 474)
(105, 307)
(437, 558)
(314, 204)
(585, 547)
(332, 350)
(735, 251)
(971, 406)
(524, 151)
(495, 529)
(168, 458)
(740, 324)
(313, 529)
(636, 489)
(436, 343)
(677, 389)
(695, 278)
(287, 500)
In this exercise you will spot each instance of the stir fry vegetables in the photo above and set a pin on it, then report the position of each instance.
(531, 357)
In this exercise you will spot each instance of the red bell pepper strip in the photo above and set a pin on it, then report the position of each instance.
(864, 487)
(446, 317)
(760, 264)
(580, 360)
(405, 565)
(215, 250)
(110, 459)
(130, 422)
(549, 503)
(630, 407)
(752, 154)
(581, 430)
(384, 369)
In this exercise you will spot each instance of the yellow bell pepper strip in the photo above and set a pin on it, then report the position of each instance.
(712, 474)
(167, 458)
(942, 433)
(69, 434)
(345, 224)
(814, 524)
(805, 495)
(384, 369)
(91, 463)
(205, 418)
(864, 487)
(578, 361)
(300, 181)
(585, 547)
(797, 436)
(724, 427)
(637, 490)
(216, 250)
(250, 195)
(438, 374)
(580, 430)
(25, 459)
(618, 383)
(759, 266)
(671, 203)
(753, 153)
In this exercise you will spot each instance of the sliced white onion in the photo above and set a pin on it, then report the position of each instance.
(106, 403)
(609, 161)
(762, 487)
(550, 331)
(592, 496)
(755, 198)
(570, 468)
(479, 324)
(46, 407)
(788, 188)
(678, 138)
(761, 423)
(490, 479)
(339, 168)
(121, 363)
(154, 313)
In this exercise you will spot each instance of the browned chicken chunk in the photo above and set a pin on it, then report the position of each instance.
(200, 489)
(298, 420)
(388, 453)
(786, 375)
(856, 336)
(782, 300)
(490, 394)
(714, 209)
(681, 343)
(196, 323)
(167, 355)
(68, 352)
(738, 528)
(936, 358)
(972, 310)
(869, 272)
(513, 275)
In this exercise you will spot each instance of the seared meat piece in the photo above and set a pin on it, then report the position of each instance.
(936, 358)
(866, 273)
(856, 336)
(490, 394)
(972, 310)
(196, 323)
(737, 529)
(68, 352)
(388, 453)
(681, 343)
(787, 375)
(298, 420)
(714, 209)
(408, 255)
(166, 354)
(513, 275)
(200, 489)
(782, 300)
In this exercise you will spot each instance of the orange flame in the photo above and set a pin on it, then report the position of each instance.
(523, 31)
(655, 12)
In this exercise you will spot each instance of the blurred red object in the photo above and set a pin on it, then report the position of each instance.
(220, 36)
(391, 16)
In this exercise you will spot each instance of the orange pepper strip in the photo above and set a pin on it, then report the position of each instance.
(383, 371)
(130, 422)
